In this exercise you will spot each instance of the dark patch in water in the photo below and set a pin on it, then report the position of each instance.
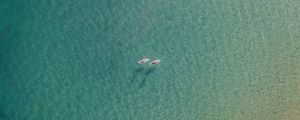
(2, 114)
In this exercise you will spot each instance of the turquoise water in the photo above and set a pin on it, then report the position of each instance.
(221, 60)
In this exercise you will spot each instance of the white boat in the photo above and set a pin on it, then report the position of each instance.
(155, 62)
(143, 61)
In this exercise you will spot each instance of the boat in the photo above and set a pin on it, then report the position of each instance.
(143, 61)
(155, 62)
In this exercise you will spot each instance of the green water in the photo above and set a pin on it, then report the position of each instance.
(221, 60)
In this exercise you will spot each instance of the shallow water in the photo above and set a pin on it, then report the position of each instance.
(229, 60)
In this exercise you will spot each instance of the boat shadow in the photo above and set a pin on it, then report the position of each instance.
(145, 72)
(135, 73)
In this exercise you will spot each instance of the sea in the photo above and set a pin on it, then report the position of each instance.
(220, 60)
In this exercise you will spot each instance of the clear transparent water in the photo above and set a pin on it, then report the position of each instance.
(230, 60)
